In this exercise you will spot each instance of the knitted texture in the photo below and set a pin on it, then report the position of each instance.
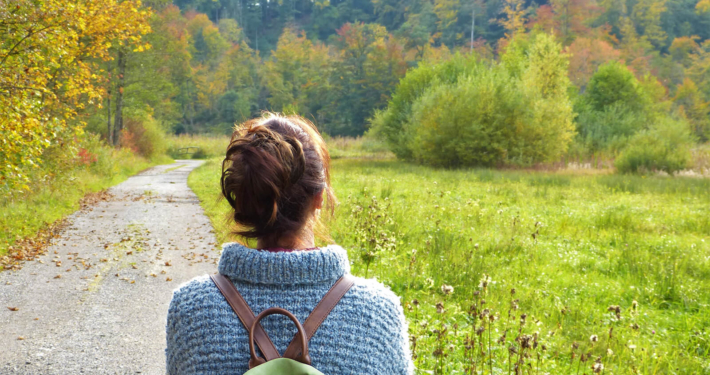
(366, 332)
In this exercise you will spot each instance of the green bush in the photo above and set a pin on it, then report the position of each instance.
(143, 135)
(609, 128)
(613, 83)
(199, 154)
(471, 122)
(391, 123)
(614, 107)
(466, 113)
(665, 147)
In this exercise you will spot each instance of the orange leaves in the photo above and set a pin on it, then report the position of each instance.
(586, 55)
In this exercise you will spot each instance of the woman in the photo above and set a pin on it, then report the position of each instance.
(276, 178)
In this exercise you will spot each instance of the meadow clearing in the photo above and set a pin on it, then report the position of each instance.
(547, 272)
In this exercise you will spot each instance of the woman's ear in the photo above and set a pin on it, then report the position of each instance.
(318, 200)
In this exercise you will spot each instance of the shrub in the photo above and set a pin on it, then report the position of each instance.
(144, 136)
(665, 147)
(613, 83)
(465, 113)
(199, 154)
(609, 128)
(616, 106)
(468, 123)
(391, 123)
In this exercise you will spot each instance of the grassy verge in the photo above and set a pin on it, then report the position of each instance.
(552, 273)
(24, 215)
(204, 181)
(202, 146)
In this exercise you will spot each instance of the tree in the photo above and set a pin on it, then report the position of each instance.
(647, 16)
(613, 83)
(586, 55)
(359, 92)
(699, 69)
(447, 14)
(393, 123)
(48, 70)
(288, 71)
(690, 102)
(514, 21)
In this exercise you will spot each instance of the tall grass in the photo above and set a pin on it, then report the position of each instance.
(207, 146)
(515, 272)
(366, 147)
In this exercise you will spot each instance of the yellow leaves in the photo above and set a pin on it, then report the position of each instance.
(59, 69)
(703, 6)
(142, 47)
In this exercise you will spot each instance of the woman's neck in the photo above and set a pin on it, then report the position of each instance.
(304, 241)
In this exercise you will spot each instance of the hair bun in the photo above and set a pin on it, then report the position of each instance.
(273, 169)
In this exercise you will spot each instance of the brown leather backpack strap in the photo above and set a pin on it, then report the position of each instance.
(320, 312)
(246, 316)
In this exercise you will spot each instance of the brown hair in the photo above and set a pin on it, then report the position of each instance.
(274, 168)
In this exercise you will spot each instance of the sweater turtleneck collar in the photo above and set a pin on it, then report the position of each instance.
(325, 264)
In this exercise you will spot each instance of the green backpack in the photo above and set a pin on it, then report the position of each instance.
(295, 360)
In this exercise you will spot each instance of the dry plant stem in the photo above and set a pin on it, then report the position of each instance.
(490, 354)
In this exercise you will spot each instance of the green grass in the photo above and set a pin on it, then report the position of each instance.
(570, 245)
(24, 215)
(365, 147)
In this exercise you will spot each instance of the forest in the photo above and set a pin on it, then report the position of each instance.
(635, 73)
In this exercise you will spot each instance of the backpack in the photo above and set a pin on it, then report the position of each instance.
(295, 360)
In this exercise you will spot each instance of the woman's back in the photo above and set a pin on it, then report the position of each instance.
(364, 334)
(276, 178)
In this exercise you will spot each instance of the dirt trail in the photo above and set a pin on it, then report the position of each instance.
(96, 302)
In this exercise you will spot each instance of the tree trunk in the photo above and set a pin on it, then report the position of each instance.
(109, 134)
(118, 120)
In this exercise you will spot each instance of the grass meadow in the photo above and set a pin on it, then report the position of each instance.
(517, 272)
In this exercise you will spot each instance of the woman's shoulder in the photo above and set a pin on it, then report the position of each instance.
(199, 288)
(372, 296)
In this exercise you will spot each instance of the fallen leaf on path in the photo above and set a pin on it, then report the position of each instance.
(163, 272)
(154, 275)
(129, 252)
(58, 277)
(167, 263)
(134, 266)
(169, 279)
(13, 308)
(20, 337)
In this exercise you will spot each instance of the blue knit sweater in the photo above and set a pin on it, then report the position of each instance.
(366, 333)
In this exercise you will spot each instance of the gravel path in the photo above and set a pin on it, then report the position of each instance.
(96, 302)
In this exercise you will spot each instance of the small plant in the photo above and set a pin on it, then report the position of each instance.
(370, 221)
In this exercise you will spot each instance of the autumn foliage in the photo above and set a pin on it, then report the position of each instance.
(48, 70)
